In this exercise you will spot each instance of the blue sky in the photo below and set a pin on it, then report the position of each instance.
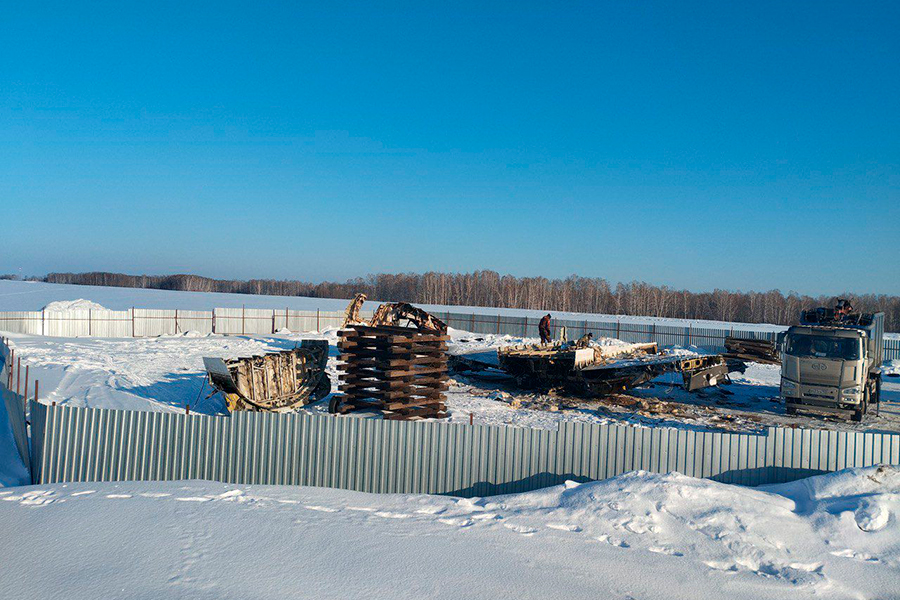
(697, 145)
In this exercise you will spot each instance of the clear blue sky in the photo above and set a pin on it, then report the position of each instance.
(698, 145)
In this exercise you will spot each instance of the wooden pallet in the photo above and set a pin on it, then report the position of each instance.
(397, 370)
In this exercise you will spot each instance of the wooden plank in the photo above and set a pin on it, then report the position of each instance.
(393, 395)
(395, 374)
(432, 382)
(357, 349)
(392, 362)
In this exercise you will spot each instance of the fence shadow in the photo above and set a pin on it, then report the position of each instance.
(178, 390)
(765, 475)
(527, 484)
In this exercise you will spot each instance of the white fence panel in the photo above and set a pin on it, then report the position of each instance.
(200, 321)
(22, 321)
(67, 323)
(229, 320)
(245, 321)
(259, 321)
(152, 323)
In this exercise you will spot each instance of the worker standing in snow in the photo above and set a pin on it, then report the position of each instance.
(544, 329)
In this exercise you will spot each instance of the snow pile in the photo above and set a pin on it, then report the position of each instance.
(891, 367)
(80, 304)
(639, 535)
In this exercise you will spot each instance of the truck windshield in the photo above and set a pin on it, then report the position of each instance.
(823, 347)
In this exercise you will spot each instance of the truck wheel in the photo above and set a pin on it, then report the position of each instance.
(790, 410)
(861, 411)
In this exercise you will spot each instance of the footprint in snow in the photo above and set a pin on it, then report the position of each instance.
(522, 529)
(727, 567)
(613, 541)
(564, 527)
(431, 510)
(808, 567)
(663, 550)
(320, 508)
(457, 522)
(848, 553)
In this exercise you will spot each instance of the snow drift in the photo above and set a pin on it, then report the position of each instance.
(635, 536)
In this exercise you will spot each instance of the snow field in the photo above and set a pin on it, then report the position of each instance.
(638, 535)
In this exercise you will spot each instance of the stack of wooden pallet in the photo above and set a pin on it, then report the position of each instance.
(762, 351)
(399, 370)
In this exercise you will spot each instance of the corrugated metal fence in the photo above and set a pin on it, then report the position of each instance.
(14, 405)
(138, 322)
(371, 455)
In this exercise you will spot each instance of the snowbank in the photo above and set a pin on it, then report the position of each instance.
(639, 535)
(80, 304)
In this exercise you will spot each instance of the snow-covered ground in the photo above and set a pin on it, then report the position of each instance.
(638, 536)
(166, 373)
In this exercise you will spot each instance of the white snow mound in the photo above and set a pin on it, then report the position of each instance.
(80, 304)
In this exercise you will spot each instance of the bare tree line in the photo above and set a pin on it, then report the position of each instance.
(490, 289)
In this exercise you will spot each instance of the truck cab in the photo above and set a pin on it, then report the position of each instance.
(832, 366)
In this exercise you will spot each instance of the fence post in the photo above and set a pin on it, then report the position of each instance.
(133, 332)
(42, 322)
(243, 317)
(214, 320)
(498, 323)
(690, 333)
(273, 320)
(318, 326)
(525, 328)
(652, 332)
(90, 316)
(176, 320)
(618, 327)
(472, 322)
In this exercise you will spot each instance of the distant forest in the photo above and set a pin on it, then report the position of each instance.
(488, 288)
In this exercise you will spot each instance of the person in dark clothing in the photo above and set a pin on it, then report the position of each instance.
(585, 340)
(842, 309)
(544, 329)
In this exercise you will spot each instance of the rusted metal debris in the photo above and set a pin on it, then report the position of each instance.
(603, 370)
(761, 351)
(393, 314)
(275, 381)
